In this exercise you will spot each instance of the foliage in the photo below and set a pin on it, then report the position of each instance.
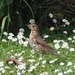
(20, 12)
(18, 47)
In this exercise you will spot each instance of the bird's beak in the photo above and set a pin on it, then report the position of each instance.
(27, 25)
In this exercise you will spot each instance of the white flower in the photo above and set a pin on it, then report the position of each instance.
(20, 36)
(56, 70)
(3, 71)
(31, 60)
(22, 66)
(65, 32)
(5, 33)
(69, 63)
(58, 41)
(50, 15)
(57, 46)
(32, 21)
(68, 71)
(23, 71)
(51, 28)
(54, 21)
(1, 68)
(64, 20)
(14, 40)
(12, 56)
(11, 34)
(32, 51)
(44, 73)
(20, 42)
(72, 49)
(67, 23)
(65, 45)
(1, 64)
(74, 37)
(25, 43)
(74, 66)
(11, 71)
(16, 54)
(73, 30)
(21, 30)
(44, 61)
(64, 25)
(52, 61)
(73, 41)
(7, 67)
(20, 58)
(43, 66)
(12, 50)
(69, 38)
(4, 40)
(58, 52)
(23, 51)
(60, 73)
(18, 73)
(62, 40)
(31, 68)
(19, 54)
(37, 64)
(46, 36)
(10, 37)
(61, 63)
(40, 58)
(55, 41)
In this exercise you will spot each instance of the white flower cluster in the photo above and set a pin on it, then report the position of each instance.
(22, 66)
(33, 67)
(2, 69)
(63, 45)
(53, 19)
(66, 22)
(20, 37)
(68, 71)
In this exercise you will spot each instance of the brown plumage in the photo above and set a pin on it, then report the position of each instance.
(37, 43)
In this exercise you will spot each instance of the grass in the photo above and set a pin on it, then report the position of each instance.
(43, 66)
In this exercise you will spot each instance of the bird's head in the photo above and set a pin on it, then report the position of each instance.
(33, 27)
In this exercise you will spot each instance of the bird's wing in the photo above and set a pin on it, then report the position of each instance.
(40, 41)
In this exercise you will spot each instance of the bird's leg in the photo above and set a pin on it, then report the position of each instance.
(40, 55)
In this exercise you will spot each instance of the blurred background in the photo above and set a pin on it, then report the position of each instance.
(15, 14)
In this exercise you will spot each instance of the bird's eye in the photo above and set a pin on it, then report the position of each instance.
(32, 26)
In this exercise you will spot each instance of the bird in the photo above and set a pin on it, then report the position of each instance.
(37, 43)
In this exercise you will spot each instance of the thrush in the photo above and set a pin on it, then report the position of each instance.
(37, 42)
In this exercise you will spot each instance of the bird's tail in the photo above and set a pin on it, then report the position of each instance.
(57, 54)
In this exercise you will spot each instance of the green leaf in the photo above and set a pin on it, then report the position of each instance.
(3, 24)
